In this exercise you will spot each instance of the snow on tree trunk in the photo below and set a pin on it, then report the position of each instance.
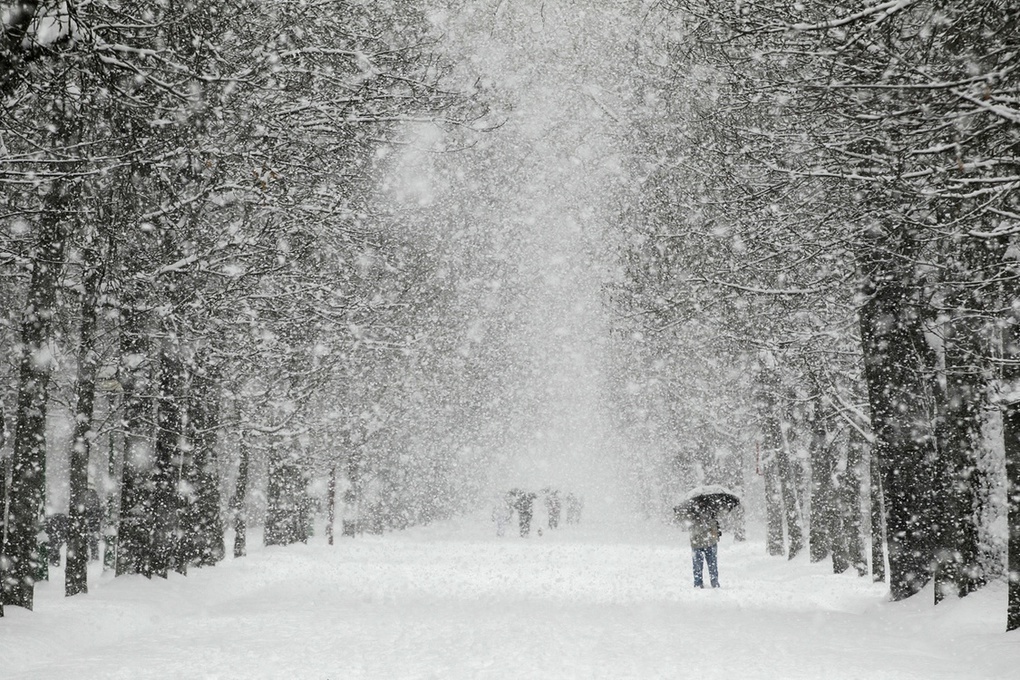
(188, 536)
(961, 416)
(791, 506)
(828, 534)
(1011, 444)
(850, 492)
(840, 555)
(331, 501)
(963, 410)
(781, 493)
(203, 520)
(20, 560)
(286, 506)
(820, 535)
(112, 518)
(896, 364)
(168, 461)
(79, 519)
(4, 471)
(1011, 439)
(877, 519)
(133, 534)
(237, 504)
(773, 510)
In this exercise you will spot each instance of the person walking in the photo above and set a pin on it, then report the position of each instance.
(704, 530)
(523, 503)
(552, 506)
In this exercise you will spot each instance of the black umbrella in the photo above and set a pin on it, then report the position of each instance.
(706, 501)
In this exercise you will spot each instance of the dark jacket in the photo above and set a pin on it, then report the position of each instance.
(704, 532)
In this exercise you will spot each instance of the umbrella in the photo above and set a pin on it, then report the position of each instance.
(706, 501)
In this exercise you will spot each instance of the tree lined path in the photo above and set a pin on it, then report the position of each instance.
(383, 261)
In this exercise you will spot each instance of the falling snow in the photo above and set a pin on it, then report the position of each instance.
(390, 335)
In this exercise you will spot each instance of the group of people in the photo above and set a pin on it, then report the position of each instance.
(522, 503)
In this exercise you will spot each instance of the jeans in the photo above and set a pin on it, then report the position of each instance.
(710, 555)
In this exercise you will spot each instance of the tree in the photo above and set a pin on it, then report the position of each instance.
(224, 158)
(3, 489)
(826, 533)
(898, 365)
(237, 504)
(962, 403)
(865, 92)
(135, 378)
(20, 556)
(76, 580)
(782, 504)
(1011, 433)
(201, 515)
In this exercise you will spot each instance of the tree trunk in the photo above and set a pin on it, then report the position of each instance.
(956, 535)
(827, 497)
(850, 490)
(780, 494)
(1011, 444)
(76, 574)
(838, 541)
(896, 363)
(133, 534)
(19, 558)
(168, 462)
(820, 534)
(791, 508)
(840, 552)
(961, 417)
(188, 537)
(276, 511)
(240, 492)
(773, 510)
(1011, 439)
(4, 467)
(206, 523)
(331, 500)
(284, 501)
(877, 520)
(112, 496)
(739, 523)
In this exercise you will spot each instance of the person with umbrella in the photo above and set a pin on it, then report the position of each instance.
(700, 514)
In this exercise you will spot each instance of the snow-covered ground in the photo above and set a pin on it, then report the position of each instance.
(453, 601)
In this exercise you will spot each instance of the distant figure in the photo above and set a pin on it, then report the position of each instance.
(704, 528)
(502, 513)
(523, 503)
(552, 506)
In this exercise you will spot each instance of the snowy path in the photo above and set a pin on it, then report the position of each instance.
(455, 602)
